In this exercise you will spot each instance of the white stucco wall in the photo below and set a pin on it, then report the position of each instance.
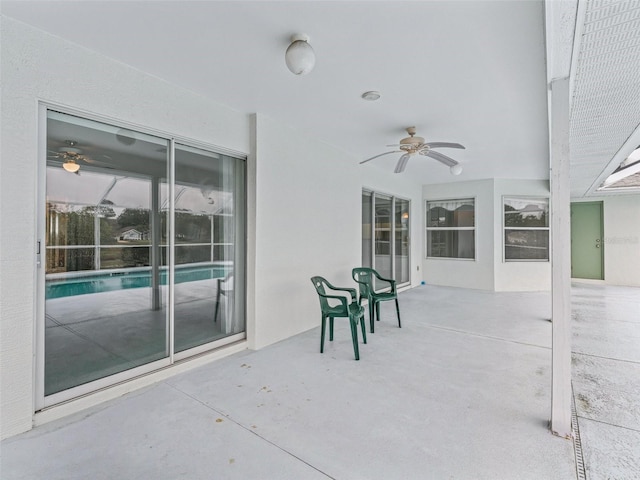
(476, 273)
(308, 222)
(308, 199)
(621, 238)
(304, 196)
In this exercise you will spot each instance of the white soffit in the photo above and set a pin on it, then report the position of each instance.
(605, 114)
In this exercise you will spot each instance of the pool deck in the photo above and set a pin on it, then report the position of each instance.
(97, 334)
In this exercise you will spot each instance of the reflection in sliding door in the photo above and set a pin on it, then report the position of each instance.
(367, 199)
(105, 310)
(383, 219)
(144, 255)
(209, 278)
(402, 237)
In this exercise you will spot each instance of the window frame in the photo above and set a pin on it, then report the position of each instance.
(505, 228)
(429, 229)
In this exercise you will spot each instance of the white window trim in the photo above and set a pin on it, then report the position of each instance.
(505, 228)
(427, 229)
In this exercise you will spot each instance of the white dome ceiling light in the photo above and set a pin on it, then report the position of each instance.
(455, 169)
(300, 57)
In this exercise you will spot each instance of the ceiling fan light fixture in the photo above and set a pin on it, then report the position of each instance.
(126, 137)
(300, 57)
(455, 169)
(71, 166)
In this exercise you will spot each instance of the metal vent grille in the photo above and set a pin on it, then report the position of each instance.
(606, 94)
(577, 444)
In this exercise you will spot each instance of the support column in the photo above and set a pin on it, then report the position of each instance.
(560, 259)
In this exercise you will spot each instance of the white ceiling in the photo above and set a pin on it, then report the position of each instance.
(471, 72)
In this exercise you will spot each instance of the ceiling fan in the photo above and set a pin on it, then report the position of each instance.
(71, 156)
(413, 145)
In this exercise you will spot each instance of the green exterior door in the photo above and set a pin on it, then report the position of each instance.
(587, 246)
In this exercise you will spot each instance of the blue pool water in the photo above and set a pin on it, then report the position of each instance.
(106, 282)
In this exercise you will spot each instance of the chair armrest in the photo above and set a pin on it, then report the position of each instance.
(391, 282)
(342, 299)
(352, 291)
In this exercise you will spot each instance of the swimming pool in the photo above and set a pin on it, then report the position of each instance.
(120, 280)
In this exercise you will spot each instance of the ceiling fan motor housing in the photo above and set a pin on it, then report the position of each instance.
(70, 151)
(412, 143)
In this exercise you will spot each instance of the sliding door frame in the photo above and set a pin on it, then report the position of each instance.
(392, 240)
(41, 401)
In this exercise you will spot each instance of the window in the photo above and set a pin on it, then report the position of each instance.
(451, 229)
(386, 235)
(526, 229)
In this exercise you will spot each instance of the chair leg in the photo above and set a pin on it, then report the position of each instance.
(324, 321)
(378, 310)
(398, 312)
(215, 315)
(331, 329)
(354, 337)
(364, 328)
(371, 315)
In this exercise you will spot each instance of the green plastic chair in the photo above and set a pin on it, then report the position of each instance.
(224, 286)
(339, 307)
(367, 280)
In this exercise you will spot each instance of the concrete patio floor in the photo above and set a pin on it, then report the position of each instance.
(461, 391)
(606, 378)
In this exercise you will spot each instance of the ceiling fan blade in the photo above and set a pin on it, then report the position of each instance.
(386, 153)
(402, 163)
(443, 145)
(448, 161)
(91, 161)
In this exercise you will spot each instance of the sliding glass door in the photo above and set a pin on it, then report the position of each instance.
(383, 235)
(142, 254)
(367, 229)
(207, 227)
(402, 241)
(386, 235)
